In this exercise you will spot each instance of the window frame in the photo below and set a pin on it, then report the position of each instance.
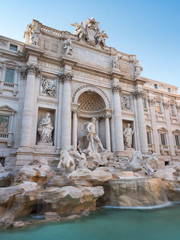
(12, 69)
(11, 47)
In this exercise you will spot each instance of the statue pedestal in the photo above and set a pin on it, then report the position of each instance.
(44, 144)
(129, 151)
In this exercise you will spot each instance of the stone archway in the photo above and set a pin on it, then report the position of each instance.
(89, 88)
(91, 102)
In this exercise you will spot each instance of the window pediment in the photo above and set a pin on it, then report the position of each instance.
(162, 130)
(7, 109)
(149, 128)
(176, 131)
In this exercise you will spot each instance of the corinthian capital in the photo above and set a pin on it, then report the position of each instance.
(138, 94)
(166, 105)
(151, 101)
(116, 89)
(66, 77)
(33, 69)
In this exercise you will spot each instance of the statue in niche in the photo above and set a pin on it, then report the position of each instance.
(94, 142)
(128, 133)
(68, 46)
(48, 88)
(45, 129)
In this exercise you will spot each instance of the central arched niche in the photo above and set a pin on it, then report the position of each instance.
(91, 104)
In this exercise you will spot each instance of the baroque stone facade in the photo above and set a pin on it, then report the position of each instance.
(67, 79)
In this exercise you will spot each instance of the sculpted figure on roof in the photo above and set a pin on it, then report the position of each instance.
(90, 33)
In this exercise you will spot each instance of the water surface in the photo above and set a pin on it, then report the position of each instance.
(107, 224)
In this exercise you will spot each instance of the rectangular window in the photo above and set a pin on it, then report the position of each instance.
(4, 122)
(149, 140)
(169, 89)
(13, 47)
(158, 106)
(9, 75)
(177, 140)
(163, 139)
(155, 86)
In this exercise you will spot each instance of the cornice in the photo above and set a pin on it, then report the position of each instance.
(116, 74)
(32, 50)
(139, 81)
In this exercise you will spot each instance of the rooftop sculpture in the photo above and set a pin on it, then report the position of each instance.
(90, 33)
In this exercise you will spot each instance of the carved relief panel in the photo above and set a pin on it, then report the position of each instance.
(126, 102)
(48, 87)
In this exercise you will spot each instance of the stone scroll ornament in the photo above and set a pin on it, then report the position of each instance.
(90, 33)
(45, 129)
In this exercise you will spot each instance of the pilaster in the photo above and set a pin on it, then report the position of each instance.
(168, 126)
(154, 125)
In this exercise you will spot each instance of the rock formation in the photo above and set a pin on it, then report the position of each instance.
(82, 178)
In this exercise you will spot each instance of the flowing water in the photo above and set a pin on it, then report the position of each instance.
(108, 224)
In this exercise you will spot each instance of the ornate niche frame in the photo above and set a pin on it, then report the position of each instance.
(9, 135)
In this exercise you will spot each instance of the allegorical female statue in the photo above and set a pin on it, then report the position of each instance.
(128, 133)
(45, 129)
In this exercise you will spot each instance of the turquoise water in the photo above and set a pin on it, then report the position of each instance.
(107, 224)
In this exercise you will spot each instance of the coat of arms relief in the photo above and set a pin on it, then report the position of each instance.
(90, 33)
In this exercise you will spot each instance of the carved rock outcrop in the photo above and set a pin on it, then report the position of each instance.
(86, 177)
(71, 200)
(39, 173)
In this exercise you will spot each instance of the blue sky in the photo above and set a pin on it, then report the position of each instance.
(148, 29)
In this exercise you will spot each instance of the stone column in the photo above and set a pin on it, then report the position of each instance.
(28, 109)
(118, 128)
(108, 139)
(97, 126)
(154, 126)
(59, 114)
(141, 121)
(75, 124)
(169, 128)
(66, 110)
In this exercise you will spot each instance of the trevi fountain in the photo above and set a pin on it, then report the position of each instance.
(92, 174)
